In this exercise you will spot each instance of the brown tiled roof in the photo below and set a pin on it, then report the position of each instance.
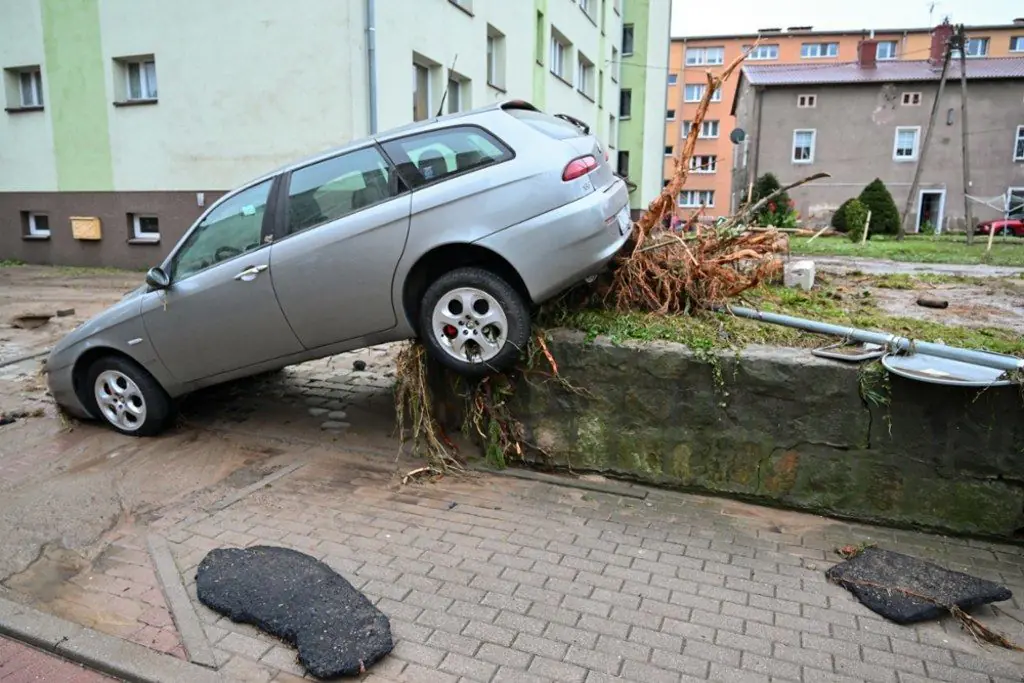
(884, 72)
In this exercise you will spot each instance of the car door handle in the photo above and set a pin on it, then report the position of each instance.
(249, 274)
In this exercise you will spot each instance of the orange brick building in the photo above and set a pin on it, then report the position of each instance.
(690, 59)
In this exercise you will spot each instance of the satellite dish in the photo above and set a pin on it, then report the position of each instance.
(737, 136)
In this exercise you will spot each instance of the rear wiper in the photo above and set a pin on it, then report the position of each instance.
(574, 121)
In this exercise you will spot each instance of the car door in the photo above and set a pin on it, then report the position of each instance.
(345, 221)
(219, 313)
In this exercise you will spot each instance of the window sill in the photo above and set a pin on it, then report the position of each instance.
(497, 87)
(561, 79)
(23, 110)
(589, 97)
(135, 103)
(457, 5)
(904, 160)
(625, 118)
(539, 62)
(35, 238)
(627, 54)
(587, 15)
(803, 162)
(137, 240)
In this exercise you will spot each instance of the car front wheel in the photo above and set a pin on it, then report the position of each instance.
(474, 322)
(127, 397)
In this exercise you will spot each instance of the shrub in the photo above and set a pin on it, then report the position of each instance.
(779, 211)
(856, 214)
(885, 217)
(839, 217)
(927, 228)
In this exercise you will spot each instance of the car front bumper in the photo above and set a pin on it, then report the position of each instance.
(61, 384)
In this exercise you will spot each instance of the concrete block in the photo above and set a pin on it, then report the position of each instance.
(799, 274)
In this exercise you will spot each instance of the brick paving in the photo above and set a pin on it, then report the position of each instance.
(20, 663)
(525, 581)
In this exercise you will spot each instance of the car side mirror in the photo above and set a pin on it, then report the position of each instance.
(157, 278)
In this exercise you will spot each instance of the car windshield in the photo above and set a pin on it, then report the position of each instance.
(552, 126)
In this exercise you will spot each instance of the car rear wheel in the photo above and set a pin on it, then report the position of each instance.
(1006, 231)
(127, 397)
(474, 322)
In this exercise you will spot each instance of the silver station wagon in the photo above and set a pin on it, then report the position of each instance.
(447, 230)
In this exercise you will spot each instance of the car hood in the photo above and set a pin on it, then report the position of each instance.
(127, 307)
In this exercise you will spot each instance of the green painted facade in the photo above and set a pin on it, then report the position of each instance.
(633, 75)
(540, 8)
(76, 90)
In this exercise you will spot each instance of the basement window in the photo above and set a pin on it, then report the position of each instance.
(35, 226)
(145, 228)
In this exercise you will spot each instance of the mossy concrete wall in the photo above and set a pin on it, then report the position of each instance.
(783, 427)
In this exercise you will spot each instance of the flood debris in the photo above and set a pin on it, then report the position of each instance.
(337, 630)
(932, 301)
(908, 590)
(30, 321)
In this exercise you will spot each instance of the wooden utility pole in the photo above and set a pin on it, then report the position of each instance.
(924, 146)
(968, 219)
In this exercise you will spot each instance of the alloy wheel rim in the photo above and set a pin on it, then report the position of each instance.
(470, 325)
(120, 400)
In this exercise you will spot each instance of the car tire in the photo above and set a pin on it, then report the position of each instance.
(120, 392)
(471, 306)
(1005, 232)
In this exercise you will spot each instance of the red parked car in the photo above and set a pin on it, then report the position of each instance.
(1002, 226)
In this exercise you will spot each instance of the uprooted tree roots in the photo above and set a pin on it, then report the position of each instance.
(658, 271)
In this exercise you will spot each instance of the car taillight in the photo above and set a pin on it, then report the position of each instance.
(578, 168)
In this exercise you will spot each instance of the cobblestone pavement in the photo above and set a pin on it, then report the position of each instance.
(490, 578)
(20, 663)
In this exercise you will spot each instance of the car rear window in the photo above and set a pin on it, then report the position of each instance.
(551, 126)
(435, 155)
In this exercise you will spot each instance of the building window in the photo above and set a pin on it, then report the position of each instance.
(139, 78)
(456, 94)
(708, 128)
(35, 225)
(806, 101)
(420, 92)
(694, 92)
(673, 79)
(710, 56)
(623, 164)
(495, 58)
(761, 52)
(613, 132)
(24, 87)
(588, 8)
(560, 56)
(669, 149)
(905, 143)
(616, 65)
(1018, 146)
(816, 50)
(911, 99)
(1017, 44)
(886, 50)
(539, 39)
(977, 47)
(697, 198)
(704, 163)
(803, 146)
(585, 80)
(627, 39)
(670, 114)
(625, 103)
(144, 228)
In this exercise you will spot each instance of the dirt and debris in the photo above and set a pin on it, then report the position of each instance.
(931, 301)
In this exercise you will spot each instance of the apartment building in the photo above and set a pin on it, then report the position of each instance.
(710, 183)
(868, 119)
(124, 119)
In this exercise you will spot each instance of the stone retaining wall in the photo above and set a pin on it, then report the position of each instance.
(783, 427)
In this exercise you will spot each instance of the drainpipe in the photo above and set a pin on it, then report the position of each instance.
(371, 60)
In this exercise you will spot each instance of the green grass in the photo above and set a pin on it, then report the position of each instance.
(854, 307)
(1006, 251)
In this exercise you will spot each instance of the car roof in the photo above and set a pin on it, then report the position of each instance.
(392, 133)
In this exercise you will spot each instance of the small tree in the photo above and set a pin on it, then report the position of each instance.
(885, 216)
(839, 217)
(776, 211)
(856, 214)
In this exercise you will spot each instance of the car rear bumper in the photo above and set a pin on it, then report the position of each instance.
(559, 248)
(62, 387)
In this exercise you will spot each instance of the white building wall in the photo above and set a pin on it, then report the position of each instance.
(244, 86)
(29, 135)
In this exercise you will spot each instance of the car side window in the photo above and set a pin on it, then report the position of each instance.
(438, 154)
(232, 228)
(333, 188)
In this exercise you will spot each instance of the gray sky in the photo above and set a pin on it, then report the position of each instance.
(714, 17)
